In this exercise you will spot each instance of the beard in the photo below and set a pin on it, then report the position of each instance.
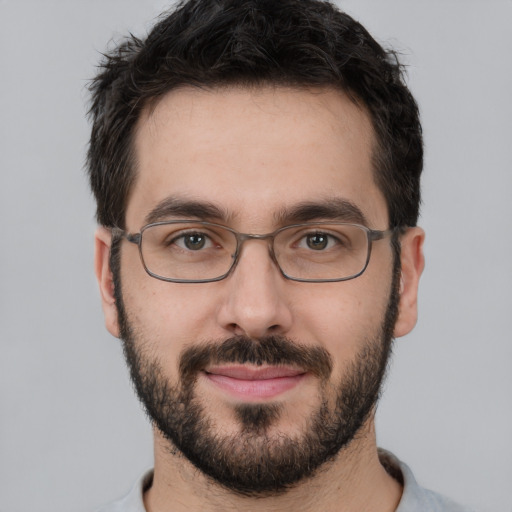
(256, 461)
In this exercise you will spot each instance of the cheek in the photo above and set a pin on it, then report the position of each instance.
(165, 316)
(343, 316)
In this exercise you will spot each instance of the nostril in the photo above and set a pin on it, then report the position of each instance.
(235, 329)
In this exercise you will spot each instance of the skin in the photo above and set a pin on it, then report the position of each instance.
(254, 153)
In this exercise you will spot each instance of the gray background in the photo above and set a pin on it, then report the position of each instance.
(72, 435)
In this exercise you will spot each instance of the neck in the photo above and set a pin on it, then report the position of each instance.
(355, 480)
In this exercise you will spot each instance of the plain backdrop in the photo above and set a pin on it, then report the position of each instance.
(72, 435)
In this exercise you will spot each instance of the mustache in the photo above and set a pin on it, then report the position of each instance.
(272, 350)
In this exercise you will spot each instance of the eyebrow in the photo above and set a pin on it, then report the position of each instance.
(337, 209)
(172, 207)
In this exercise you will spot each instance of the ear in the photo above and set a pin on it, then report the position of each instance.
(102, 243)
(413, 262)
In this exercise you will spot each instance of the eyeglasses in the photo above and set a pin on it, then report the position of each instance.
(190, 251)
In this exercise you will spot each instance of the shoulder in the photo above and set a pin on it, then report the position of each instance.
(133, 501)
(414, 497)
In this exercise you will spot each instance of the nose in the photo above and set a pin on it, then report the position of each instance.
(255, 301)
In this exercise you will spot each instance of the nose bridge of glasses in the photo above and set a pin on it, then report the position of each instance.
(268, 237)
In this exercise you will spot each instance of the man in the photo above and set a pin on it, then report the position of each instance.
(256, 166)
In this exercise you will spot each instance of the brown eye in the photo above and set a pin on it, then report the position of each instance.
(317, 241)
(194, 241)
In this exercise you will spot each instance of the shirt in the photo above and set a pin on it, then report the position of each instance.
(414, 498)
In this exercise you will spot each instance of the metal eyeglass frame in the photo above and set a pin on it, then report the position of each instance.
(373, 235)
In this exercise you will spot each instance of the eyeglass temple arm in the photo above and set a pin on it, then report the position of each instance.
(133, 238)
(379, 235)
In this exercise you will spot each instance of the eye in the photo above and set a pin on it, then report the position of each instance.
(318, 241)
(193, 241)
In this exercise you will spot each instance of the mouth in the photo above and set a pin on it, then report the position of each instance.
(252, 384)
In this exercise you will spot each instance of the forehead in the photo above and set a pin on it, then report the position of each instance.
(254, 153)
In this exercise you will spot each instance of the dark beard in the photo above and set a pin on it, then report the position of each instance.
(253, 463)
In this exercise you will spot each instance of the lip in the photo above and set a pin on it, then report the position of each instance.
(251, 384)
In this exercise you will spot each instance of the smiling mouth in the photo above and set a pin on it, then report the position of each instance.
(252, 384)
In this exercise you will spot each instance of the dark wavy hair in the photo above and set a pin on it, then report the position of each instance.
(215, 43)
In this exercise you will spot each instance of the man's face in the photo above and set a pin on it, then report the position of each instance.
(261, 373)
